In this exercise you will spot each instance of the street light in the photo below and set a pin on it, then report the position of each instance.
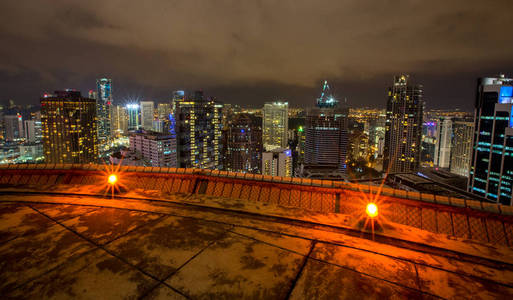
(112, 179)
(372, 210)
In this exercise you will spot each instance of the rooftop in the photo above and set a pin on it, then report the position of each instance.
(185, 233)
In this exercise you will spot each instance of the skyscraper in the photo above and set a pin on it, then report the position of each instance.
(275, 125)
(443, 143)
(197, 123)
(119, 120)
(133, 116)
(461, 150)
(326, 136)
(403, 130)
(243, 144)
(69, 128)
(491, 171)
(163, 110)
(103, 108)
(147, 112)
(13, 127)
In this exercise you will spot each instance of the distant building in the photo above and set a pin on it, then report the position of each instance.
(119, 120)
(69, 128)
(277, 162)
(13, 127)
(156, 148)
(243, 144)
(147, 114)
(31, 153)
(491, 172)
(403, 126)
(461, 151)
(104, 108)
(275, 125)
(443, 143)
(197, 123)
(163, 111)
(133, 116)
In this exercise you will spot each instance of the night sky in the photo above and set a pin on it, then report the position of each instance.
(248, 52)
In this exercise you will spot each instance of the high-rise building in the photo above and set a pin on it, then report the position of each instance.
(69, 128)
(158, 149)
(275, 125)
(147, 114)
(491, 173)
(461, 150)
(277, 162)
(197, 123)
(326, 136)
(403, 130)
(243, 144)
(443, 143)
(104, 108)
(163, 110)
(29, 130)
(133, 116)
(119, 120)
(13, 127)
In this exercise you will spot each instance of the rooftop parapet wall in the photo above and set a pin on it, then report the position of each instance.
(488, 223)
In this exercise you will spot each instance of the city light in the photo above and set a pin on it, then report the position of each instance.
(113, 179)
(371, 210)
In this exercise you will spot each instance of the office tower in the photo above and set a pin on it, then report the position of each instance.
(277, 162)
(158, 126)
(443, 142)
(461, 150)
(403, 126)
(275, 125)
(103, 109)
(133, 116)
(163, 110)
(491, 173)
(147, 114)
(69, 128)
(119, 120)
(158, 149)
(243, 144)
(29, 130)
(13, 127)
(326, 136)
(197, 122)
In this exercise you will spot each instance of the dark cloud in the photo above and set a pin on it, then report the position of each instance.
(248, 52)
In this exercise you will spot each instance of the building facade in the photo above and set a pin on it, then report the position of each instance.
(461, 151)
(243, 144)
(69, 128)
(443, 143)
(403, 128)
(158, 149)
(277, 162)
(491, 172)
(147, 114)
(133, 116)
(197, 123)
(275, 125)
(13, 127)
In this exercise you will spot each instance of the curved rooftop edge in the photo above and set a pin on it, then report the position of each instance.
(192, 233)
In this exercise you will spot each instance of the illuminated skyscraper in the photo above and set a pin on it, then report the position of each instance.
(119, 119)
(403, 129)
(491, 172)
(275, 122)
(147, 112)
(197, 122)
(103, 108)
(133, 116)
(243, 144)
(69, 128)
(163, 110)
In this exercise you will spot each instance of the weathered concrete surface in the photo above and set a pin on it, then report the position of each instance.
(93, 248)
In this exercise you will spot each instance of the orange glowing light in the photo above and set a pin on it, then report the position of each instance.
(372, 210)
(112, 179)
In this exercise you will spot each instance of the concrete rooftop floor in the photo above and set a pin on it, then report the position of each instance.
(70, 246)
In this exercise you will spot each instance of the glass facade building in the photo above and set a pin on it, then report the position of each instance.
(104, 108)
(275, 125)
(491, 173)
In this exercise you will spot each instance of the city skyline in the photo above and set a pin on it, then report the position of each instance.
(262, 51)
